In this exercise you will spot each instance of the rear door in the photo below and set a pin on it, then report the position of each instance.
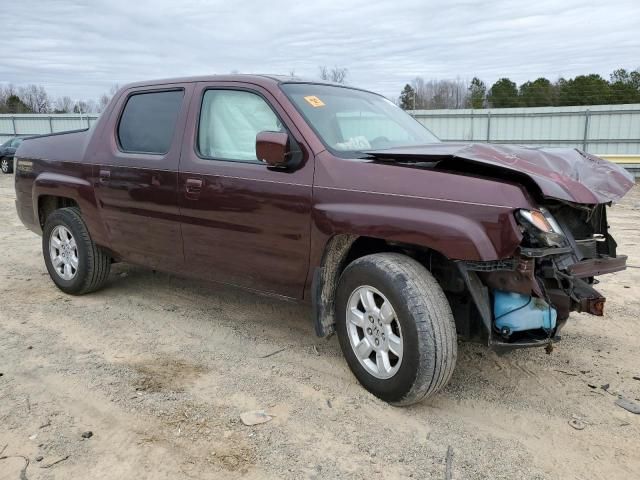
(243, 223)
(137, 175)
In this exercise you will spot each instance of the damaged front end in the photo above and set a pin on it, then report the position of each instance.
(525, 300)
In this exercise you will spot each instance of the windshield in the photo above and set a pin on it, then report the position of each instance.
(351, 120)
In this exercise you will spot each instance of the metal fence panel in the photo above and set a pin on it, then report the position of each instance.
(6, 128)
(39, 124)
(600, 129)
(61, 124)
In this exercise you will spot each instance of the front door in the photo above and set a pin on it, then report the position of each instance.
(243, 223)
(137, 176)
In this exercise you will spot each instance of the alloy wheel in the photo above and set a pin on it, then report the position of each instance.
(64, 252)
(374, 332)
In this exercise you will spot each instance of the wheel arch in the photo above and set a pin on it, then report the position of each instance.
(342, 249)
(420, 228)
(51, 191)
(47, 204)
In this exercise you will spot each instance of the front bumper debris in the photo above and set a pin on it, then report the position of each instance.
(598, 266)
(567, 286)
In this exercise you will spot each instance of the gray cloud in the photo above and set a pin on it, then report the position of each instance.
(80, 48)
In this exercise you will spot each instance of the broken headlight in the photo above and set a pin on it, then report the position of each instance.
(540, 228)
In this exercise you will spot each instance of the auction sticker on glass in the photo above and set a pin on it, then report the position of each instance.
(314, 101)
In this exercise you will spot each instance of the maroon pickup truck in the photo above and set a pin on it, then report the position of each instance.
(335, 196)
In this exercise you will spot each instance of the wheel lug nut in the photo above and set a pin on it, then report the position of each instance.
(377, 342)
(369, 331)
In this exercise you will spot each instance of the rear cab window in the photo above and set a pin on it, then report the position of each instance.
(148, 121)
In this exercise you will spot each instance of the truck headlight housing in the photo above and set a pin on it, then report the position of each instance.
(540, 228)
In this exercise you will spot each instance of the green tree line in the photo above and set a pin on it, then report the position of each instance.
(623, 86)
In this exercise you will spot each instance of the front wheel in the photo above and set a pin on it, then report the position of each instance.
(75, 263)
(395, 328)
(6, 165)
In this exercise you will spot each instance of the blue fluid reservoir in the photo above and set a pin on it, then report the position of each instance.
(514, 312)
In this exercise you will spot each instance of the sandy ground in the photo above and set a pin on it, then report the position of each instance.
(159, 369)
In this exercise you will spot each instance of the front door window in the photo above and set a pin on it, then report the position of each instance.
(229, 123)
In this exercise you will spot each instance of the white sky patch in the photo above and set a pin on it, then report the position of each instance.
(80, 48)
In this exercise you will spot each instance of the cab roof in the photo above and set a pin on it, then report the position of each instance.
(265, 80)
(260, 79)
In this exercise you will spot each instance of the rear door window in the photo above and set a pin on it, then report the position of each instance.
(148, 121)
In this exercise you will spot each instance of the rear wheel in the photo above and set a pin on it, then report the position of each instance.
(75, 263)
(395, 328)
(6, 165)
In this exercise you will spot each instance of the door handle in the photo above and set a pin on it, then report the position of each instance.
(104, 176)
(193, 187)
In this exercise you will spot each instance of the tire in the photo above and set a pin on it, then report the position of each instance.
(92, 264)
(422, 320)
(6, 165)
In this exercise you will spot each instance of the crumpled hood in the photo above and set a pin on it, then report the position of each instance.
(561, 173)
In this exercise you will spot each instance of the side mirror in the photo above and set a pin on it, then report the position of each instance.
(273, 148)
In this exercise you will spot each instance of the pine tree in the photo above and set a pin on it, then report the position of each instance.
(539, 93)
(477, 93)
(503, 94)
(408, 98)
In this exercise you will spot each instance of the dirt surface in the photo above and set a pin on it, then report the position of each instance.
(160, 368)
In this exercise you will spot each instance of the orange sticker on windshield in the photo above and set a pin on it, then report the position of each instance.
(314, 101)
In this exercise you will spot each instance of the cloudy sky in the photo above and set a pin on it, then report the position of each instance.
(80, 48)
